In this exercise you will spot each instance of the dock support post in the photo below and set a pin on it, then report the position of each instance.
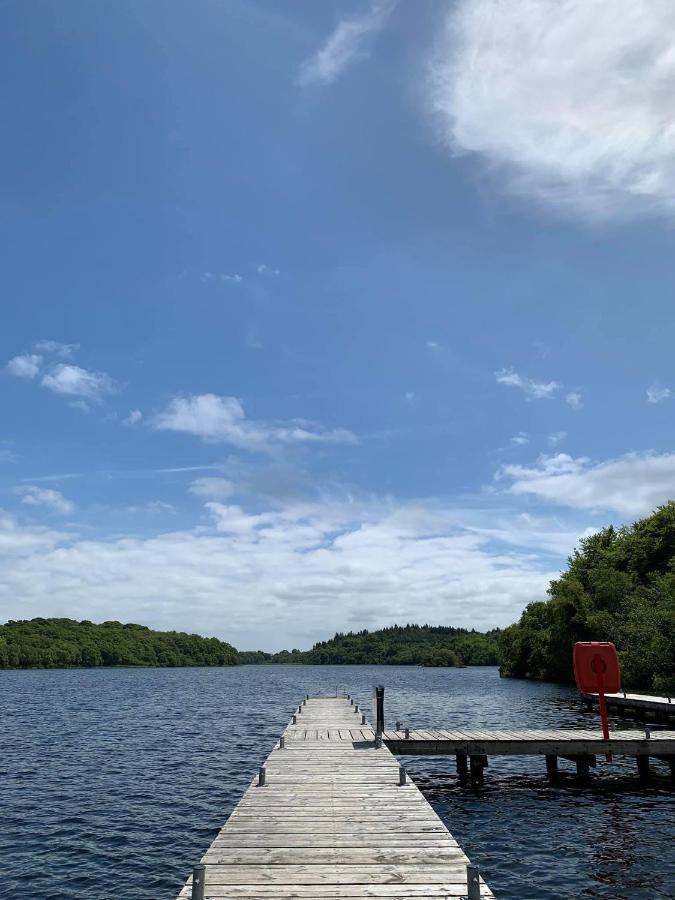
(261, 776)
(462, 764)
(398, 726)
(282, 743)
(552, 766)
(295, 720)
(402, 776)
(363, 718)
(407, 734)
(477, 763)
(472, 882)
(356, 707)
(198, 880)
(583, 768)
(643, 767)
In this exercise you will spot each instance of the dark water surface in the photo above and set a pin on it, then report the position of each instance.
(114, 781)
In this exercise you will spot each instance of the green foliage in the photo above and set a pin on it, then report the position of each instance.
(400, 645)
(620, 587)
(59, 643)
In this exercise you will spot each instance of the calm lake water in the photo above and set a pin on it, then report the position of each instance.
(113, 782)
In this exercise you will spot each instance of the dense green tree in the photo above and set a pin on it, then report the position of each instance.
(400, 645)
(619, 586)
(64, 643)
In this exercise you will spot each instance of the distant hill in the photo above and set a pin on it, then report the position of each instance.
(400, 645)
(619, 586)
(62, 643)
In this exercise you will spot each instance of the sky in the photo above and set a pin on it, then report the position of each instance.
(318, 317)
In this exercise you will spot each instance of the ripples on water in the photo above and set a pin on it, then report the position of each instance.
(114, 781)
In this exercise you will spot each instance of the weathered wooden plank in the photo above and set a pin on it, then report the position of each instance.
(332, 821)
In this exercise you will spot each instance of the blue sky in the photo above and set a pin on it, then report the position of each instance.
(328, 316)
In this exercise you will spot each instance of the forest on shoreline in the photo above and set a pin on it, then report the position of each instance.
(65, 643)
(398, 645)
(619, 586)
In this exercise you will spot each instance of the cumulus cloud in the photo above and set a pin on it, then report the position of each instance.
(347, 43)
(657, 393)
(25, 366)
(73, 381)
(533, 390)
(571, 102)
(520, 439)
(18, 541)
(264, 269)
(284, 576)
(555, 438)
(223, 420)
(633, 485)
(212, 488)
(56, 348)
(574, 399)
(33, 495)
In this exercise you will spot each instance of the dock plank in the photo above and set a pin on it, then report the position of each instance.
(332, 821)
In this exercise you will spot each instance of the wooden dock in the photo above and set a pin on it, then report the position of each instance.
(331, 819)
(643, 705)
(472, 748)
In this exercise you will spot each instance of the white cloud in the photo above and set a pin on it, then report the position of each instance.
(212, 488)
(348, 42)
(571, 101)
(223, 420)
(233, 278)
(267, 270)
(25, 366)
(657, 393)
(574, 399)
(520, 439)
(632, 485)
(33, 495)
(555, 438)
(17, 541)
(133, 418)
(56, 348)
(283, 576)
(410, 398)
(73, 381)
(533, 390)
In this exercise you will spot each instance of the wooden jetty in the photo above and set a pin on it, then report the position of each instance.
(472, 748)
(642, 705)
(332, 815)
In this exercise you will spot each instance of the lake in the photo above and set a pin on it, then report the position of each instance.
(113, 782)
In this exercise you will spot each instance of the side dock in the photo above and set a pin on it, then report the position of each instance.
(644, 705)
(333, 816)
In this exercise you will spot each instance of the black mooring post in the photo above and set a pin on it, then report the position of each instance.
(198, 881)
(472, 882)
(379, 714)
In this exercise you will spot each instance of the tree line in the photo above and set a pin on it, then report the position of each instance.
(399, 645)
(62, 643)
(619, 586)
